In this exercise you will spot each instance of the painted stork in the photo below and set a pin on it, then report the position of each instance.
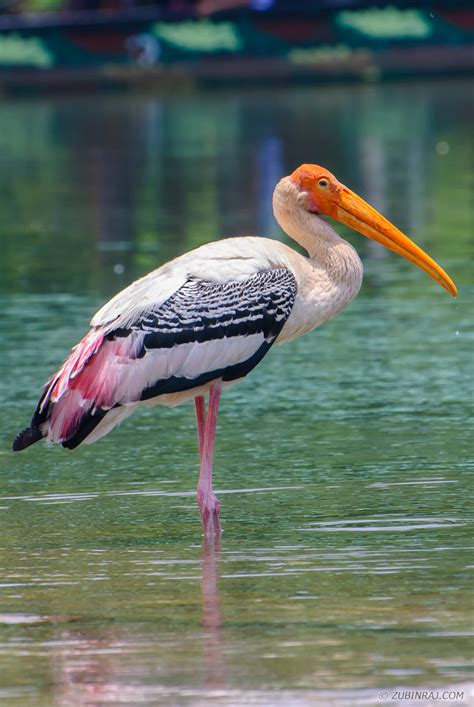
(206, 319)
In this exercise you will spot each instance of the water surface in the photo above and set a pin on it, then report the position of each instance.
(342, 464)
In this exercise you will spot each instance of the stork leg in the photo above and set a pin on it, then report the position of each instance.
(200, 407)
(208, 504)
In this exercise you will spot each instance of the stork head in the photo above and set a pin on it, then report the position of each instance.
(324, 194)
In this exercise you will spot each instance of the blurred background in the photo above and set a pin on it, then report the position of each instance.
(171, 42)
(129, 133)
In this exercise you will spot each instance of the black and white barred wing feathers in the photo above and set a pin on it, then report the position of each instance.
(206, 331)
(203, 331)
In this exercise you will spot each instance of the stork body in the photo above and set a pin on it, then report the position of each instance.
(204, 321)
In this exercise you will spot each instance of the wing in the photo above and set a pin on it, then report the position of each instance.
(207, 331)
(204, 331)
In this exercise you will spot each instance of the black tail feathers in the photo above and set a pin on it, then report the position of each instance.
(33, 434)
(24, 439)
(87, 424)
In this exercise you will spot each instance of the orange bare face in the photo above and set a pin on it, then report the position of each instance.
(329, 197)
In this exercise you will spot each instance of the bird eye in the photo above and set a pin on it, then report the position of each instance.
(323, 183)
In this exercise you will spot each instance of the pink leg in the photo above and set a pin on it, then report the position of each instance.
(208, 504)
(200, 407)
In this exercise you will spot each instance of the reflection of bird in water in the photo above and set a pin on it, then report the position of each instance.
(211, 612)
(207, 318)
(95, 665)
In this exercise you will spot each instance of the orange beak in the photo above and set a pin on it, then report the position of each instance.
(332, 198)
(354, 212)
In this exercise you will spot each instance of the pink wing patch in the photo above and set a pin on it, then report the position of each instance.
(81, 353)
(88, 379)
(73, 366)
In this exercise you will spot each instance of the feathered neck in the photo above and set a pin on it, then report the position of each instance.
(326, 249)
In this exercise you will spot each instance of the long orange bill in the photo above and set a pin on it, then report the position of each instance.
(356, 213)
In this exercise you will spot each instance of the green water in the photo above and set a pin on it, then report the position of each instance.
(342, 464)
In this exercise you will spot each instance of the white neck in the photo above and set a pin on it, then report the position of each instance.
(326, 249)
